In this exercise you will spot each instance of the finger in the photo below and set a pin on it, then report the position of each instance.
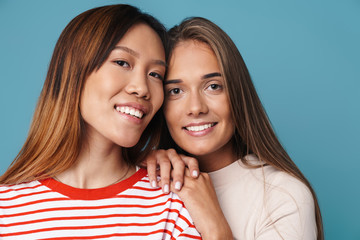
(178, 166)
(187, 179)
(165, 171)
(173, 188)
(151, 163)
(187, 173)
(192, 164)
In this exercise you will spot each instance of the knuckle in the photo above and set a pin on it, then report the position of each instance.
(165, 179)
(193, 162)
(205, 176)
(179, 164)
(159, 153)
(164, 162)
(191, 159)
(171, 151)
(192, 184)
(185, 191)
(177, 176)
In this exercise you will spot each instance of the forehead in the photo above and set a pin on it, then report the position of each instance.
(143, 39)
(192, 58)
(192, 47)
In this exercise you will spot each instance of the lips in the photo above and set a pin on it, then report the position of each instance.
(131, 111)
(198, 128)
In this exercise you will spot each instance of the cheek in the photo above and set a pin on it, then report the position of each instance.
(157, 94)
(222, 107)
(227, 114)
(86, 100)
(158, 99)
(171, 114)
(229, 120)
(96, 90)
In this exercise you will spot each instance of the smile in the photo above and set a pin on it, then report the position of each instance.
(200, 127)
(130, 111)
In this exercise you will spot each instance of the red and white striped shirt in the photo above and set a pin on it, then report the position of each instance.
(130, 209)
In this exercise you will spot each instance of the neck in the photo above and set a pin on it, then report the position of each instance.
(217, 160)
(98, 165)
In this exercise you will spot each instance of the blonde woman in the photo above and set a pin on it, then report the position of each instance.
(249, 187)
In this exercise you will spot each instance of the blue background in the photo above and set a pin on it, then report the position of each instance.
(303, 56)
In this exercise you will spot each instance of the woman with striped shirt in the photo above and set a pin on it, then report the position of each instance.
(76, 175)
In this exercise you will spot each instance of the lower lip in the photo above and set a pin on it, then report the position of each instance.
(130, 118)
(200, 133)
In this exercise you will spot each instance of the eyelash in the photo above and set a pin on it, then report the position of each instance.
(121, 63)
(211, 86)
(171, 91)
(217, 86)
(156, 75)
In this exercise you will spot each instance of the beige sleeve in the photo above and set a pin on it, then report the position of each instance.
(289, 211)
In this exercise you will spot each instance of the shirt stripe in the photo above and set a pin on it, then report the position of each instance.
(130, 209)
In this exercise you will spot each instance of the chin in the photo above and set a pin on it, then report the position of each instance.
(127, 143)
(197, 151)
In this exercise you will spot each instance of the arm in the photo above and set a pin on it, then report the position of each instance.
(201, 201)
(197, 193)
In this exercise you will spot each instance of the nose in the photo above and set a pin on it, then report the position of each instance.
(197, 104)
(138, 86)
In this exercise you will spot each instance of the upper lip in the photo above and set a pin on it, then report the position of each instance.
(198, 124)
(137, 106)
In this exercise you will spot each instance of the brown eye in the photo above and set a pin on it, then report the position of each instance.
(215, 87)
(122, 63)
(174, 91)
(156, 75)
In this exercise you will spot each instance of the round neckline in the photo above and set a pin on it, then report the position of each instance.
(232, 172)
(218, 178)
(95, 193)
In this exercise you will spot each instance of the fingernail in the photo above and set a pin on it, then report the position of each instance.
(153, 184)
(178, 185)
(166, 188)
(195, 173)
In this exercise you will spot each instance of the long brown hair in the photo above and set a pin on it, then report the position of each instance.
(253, 131)
(54, 138)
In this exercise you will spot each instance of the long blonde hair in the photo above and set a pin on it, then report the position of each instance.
(54, 138)
(254, 133)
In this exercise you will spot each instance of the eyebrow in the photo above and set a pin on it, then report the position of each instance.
(160, 62)
(172, 81)
(128, 50)
(206, 76)
(137, 55)
(210, 75)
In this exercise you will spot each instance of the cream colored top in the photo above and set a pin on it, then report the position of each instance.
(258, 208)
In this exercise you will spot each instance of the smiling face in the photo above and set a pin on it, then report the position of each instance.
(121, 97)
(197, 108)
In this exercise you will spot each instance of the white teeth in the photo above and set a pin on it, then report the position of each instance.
(130, 111)
(199, 128)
